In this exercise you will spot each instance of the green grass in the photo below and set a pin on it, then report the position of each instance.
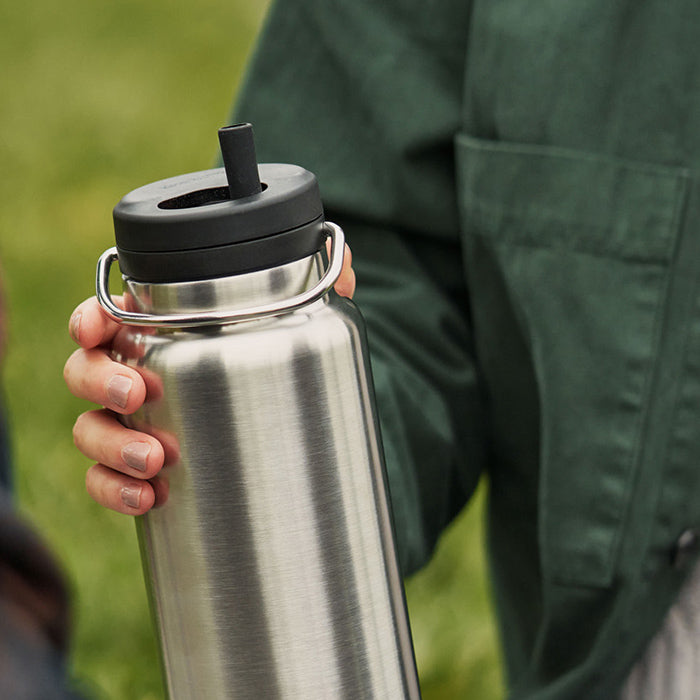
(99, 98)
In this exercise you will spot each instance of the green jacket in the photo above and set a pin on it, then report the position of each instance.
(519, 185)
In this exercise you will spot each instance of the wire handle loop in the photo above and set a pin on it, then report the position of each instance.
(209, 318)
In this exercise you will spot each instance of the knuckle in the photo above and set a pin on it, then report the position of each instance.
(77, 431)
(81, 425)
(68, 367)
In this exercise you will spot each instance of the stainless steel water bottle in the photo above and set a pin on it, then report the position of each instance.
(270, 559)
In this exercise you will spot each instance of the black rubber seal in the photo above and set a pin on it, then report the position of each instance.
(218, 261)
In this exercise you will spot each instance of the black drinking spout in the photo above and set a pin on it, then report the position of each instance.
(238, 152)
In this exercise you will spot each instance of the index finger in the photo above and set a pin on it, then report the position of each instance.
(90, 326)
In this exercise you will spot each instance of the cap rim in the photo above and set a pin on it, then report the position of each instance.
(290, 199)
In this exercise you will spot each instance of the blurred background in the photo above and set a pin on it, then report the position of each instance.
(99, 98)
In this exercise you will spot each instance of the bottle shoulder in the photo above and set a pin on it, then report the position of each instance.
(324, 326)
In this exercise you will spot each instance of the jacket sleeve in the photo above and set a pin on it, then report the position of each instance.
(367, 96)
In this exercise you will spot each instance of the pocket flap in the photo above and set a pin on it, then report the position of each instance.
(610, 206)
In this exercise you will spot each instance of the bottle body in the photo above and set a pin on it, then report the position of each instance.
(270, 562)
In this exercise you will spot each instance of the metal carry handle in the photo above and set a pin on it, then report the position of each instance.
(193, 320)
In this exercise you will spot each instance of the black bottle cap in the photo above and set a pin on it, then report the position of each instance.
(220, 222)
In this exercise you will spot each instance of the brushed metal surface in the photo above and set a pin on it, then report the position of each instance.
(271, 566)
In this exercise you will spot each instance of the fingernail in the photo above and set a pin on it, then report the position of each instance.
(131, 496)
(135, 454)
(74, 326)
(118, 389)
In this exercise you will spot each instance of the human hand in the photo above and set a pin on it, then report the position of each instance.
(126, 459)
(125, 475)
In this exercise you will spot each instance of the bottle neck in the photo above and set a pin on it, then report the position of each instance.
(226, 293)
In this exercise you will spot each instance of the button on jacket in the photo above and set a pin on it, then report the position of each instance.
(518, 182)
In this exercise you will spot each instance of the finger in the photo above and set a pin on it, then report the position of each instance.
(92, 375)
(119, 492)
(101, 437)
(345, 284)
(90, 326)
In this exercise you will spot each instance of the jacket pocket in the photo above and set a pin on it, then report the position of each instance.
(584, 245)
